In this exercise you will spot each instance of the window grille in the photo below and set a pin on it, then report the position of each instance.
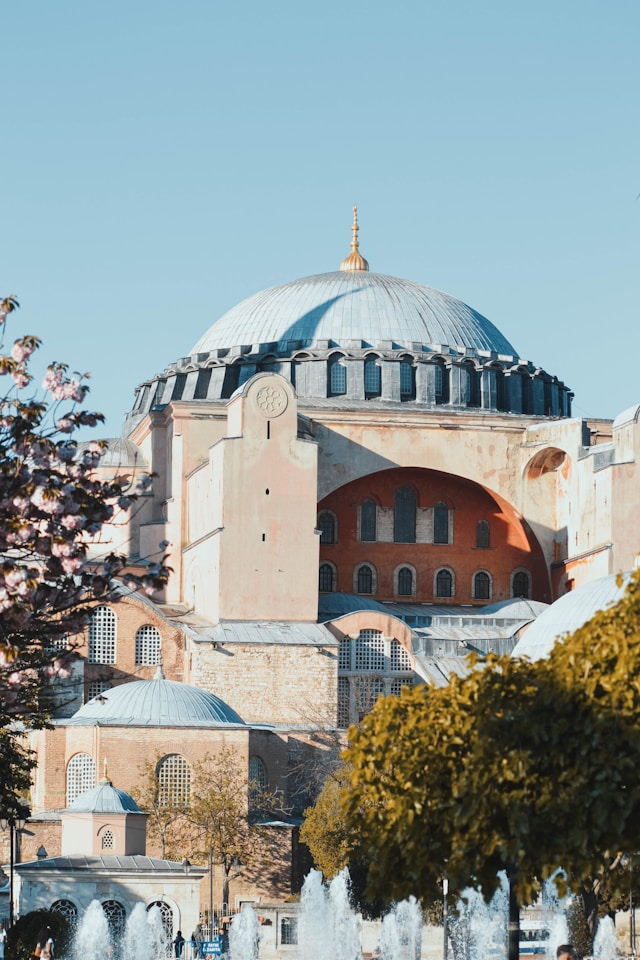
(441, 523)
(344, 654)
(102, 636)
(483, 534)
(337, 377)
(368, 516)
(108, 841)
(369, 650)
(344, 713)
(365, 579)
(405, 582)
(288, 931)
(325, 579)
(174, 781)
(444, 583)
(115, 914)
(521, 585)
(147, 646)
(404, 516)
(482, 586)
(372, 379)
(81, 776)
(327, 527)
(399, 658)
(66, 909)
(439, 386)
(257, 773)
(366, 692)
(97, 687)
(397, 685)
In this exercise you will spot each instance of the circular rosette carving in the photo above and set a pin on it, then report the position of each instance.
(271, 401)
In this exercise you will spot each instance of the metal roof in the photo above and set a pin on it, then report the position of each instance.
(78, 863)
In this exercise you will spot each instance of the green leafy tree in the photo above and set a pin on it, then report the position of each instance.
(519, 767)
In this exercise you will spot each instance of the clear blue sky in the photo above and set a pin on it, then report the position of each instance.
(164, 160)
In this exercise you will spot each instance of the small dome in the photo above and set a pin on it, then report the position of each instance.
(568, 614)
(105, 798)
(156, 703)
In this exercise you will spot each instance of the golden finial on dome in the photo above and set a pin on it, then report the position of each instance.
(105, 775)
(355, 260)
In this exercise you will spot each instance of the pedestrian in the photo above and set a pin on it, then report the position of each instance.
(178, 944)
(3, 940)
(566, 951)
(193, 944)
(45, 947)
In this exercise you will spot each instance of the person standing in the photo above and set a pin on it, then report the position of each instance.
(3, 940)
(45, 946)
(178, 945)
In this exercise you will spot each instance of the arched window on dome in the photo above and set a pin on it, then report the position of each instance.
(483, 535)
(521, 584)
(174, 781)
(147, 646)
(441, 523)
(407, 380)
(441, 379)
(404, 516)
(337, 370)
(327, 578)
(231, 380)
(470, 385)
(372, 378)
(527, 392)
(502, 398)
(368, 520)
(328, 527)
(444, 586)
(482, 586)
(81, 776)
(202, 384)
(102, 636)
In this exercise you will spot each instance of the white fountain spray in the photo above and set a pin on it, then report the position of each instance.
(93, 939)
(329, 929)
(605, 946)
(244, 935)
(401, 932)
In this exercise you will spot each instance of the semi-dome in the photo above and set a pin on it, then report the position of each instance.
(568, 614)
(156, 703)
(344, 306)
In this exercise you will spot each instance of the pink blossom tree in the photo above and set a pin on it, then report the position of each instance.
(52, 507)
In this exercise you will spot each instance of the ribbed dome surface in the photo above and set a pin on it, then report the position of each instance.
(159, 703)
(340, 307)
(568, 614)
(105, 798)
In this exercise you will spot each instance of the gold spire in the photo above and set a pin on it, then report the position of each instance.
(105, 775)
(355, 260)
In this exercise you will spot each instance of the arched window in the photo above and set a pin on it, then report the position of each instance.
(326, 581)
(147, 646)
(337, 385)
(102, 636)
(368, 518)
(483, 534)
(327, 527)
(81, 776)
(404, 516)
(365, 579)
(482, 586)
(441, 379)
(441, 523)
(165, 919)
(469, 386)
(405, 582)
(372, 378)
(257, 773)
(521, 585)
(369, 650)
(67, 909)
(444, 583)
(400, 661)
(116, 915)
(174, 781)
(407, 380)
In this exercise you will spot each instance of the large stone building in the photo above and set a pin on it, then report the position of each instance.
(360, 480)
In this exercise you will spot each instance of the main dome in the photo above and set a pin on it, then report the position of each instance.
(341, 307)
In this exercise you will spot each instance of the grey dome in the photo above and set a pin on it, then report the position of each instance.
(104, 798)
(341, 307)
(568, 614)
(156, 703)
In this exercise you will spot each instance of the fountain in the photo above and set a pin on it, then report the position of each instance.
(143, 938)
(605, 946)
(244, 935)
(480, 929)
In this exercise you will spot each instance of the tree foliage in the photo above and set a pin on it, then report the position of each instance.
(52, 508)
(325, 829)
(166, 805)
(523, 766)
